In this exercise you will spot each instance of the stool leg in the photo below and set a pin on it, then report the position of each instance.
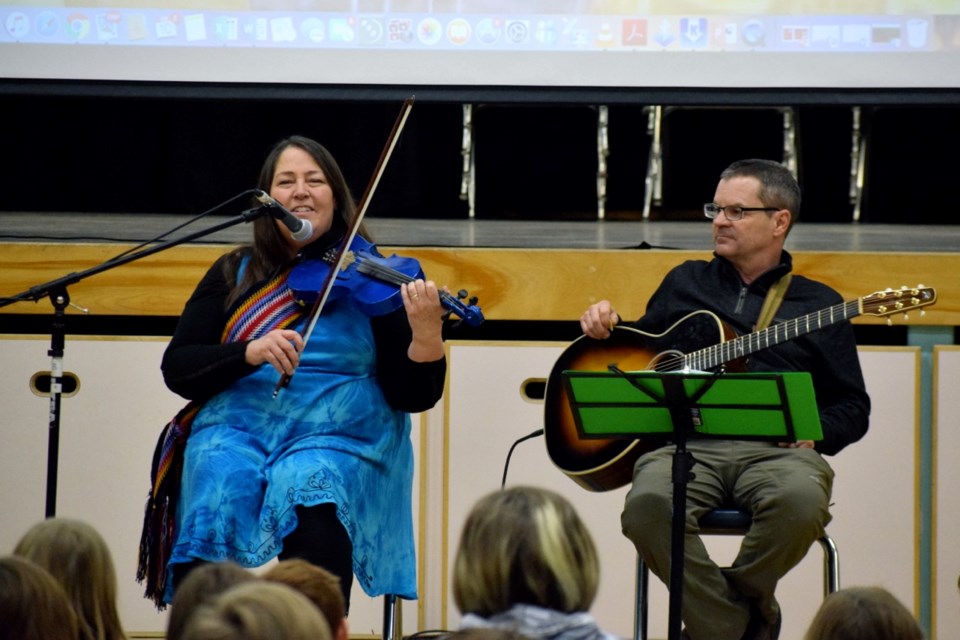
(640, 612)
(831, 566)
(391, 617)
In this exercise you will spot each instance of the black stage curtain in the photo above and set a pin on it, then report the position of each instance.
(153, 154)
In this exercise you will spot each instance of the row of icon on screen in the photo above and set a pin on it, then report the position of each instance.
(576, 32)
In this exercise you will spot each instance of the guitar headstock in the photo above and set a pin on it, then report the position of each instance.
(902, 300)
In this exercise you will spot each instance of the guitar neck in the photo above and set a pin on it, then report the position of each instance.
(716, 355)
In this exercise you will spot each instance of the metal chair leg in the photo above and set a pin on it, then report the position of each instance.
(391, 617)
(640, 612)
(831, 566)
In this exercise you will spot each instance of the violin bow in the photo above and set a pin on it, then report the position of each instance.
(341, 254)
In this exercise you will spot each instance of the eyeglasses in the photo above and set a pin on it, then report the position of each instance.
(732, 212)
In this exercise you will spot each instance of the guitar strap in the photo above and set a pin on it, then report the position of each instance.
(772, 302)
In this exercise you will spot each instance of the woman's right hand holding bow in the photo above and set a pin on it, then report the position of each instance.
(279, 348)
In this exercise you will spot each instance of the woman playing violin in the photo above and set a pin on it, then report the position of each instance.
(322, 471)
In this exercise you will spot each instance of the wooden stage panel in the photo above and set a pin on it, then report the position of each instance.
(511, 283)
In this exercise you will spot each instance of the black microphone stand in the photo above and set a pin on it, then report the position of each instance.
(56, 290)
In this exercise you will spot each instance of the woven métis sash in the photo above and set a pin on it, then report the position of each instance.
(270, 307)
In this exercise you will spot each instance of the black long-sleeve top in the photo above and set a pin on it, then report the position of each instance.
(829, 354)
(196, 365)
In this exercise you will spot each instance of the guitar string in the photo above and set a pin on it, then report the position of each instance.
(739, 347)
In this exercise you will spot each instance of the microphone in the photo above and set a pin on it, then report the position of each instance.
(300, 229)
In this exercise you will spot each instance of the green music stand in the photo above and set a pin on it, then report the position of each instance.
(679, 405)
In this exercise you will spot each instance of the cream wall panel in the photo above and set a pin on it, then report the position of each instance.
(486, 416)
(946, 445)
(876, 504)
(107, 434)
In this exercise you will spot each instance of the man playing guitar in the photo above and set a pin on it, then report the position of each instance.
(785, 486)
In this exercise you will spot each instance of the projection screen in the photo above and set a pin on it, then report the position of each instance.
(528, 43)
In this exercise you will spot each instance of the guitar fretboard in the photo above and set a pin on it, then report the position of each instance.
(714, 356)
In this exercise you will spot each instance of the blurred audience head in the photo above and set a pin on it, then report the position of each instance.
(319, 585)
(77, 556)
(863, 613)
(524, 545)
(200, 586)
(33, 605)
(258, 610)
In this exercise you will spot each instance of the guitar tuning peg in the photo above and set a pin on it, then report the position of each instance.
(889, 321)
(923, 312)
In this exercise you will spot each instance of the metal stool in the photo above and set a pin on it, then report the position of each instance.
(730, 522)
(392, 619)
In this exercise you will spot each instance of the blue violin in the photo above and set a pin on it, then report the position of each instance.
(372, 282)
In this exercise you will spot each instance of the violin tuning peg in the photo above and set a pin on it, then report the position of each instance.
(462, 294)
(473, 301)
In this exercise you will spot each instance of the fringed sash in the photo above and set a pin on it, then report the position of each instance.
(270, 307)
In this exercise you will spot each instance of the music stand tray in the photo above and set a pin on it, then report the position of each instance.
(740, 406)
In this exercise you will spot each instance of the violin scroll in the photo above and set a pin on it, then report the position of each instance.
(469, 313)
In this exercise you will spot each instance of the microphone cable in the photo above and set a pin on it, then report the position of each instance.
(506, 464)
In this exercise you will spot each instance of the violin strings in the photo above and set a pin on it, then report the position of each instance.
(392, 276)
(386, 274)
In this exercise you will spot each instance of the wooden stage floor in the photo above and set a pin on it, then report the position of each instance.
(407, 232)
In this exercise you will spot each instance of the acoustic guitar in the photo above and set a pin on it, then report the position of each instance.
(605, 464)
